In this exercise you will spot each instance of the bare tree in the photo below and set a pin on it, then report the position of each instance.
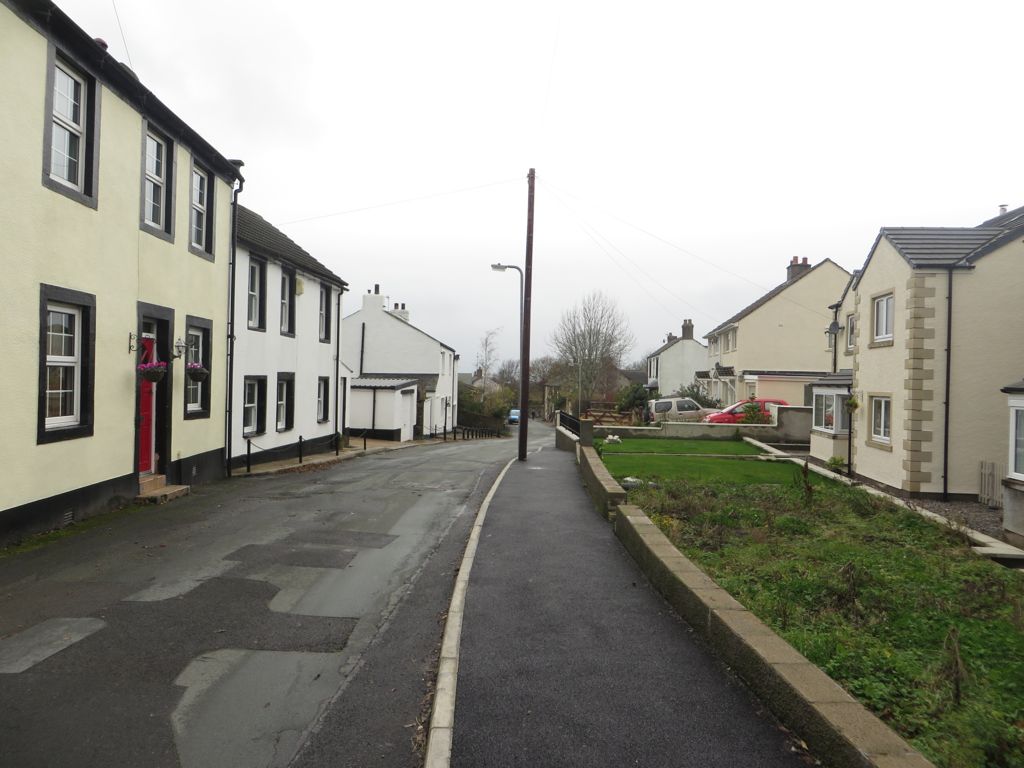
(487, 355)
(591, 337)
(508, 374)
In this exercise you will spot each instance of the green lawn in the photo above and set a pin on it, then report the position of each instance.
(703, 468)
(680, 445)
(926, 634)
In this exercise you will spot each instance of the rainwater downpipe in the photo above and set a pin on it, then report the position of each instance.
(337, 364)
(949, 367)
(362, 348)
(232, 258)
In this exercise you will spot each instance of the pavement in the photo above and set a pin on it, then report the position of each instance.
(569, 658)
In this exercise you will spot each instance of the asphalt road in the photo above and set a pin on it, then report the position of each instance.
(274, 621)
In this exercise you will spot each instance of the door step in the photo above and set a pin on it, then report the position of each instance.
(149, 483)
(163, 494)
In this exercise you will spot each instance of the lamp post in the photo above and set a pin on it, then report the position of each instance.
(502, 268)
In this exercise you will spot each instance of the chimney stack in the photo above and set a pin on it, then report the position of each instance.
(796, 268)
(1002, 208)
(376, 288)
(688, 329)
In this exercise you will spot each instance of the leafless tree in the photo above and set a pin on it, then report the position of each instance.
(591, 338)
(487, 355)
(508, 374)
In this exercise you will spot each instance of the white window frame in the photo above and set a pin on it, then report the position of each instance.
(199, 218)
(836, 399)
(286, 302)
(1015, 467)
(255, 295)
(325, 301)
(884, 404)
(67, 124)
(250, 404)
(156, 181)
(882, 314)
(193, 354)
(323, 394)
(851, 331)
(282, 405)
(73, 361)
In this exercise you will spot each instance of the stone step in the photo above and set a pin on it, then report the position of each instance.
(163, 495)
(149, 483)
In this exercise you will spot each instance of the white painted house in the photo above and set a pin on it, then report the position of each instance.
(286, 368)
(674, 365)
(115, 246)
(395, 362)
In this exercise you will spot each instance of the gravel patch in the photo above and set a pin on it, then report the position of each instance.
(973, 514)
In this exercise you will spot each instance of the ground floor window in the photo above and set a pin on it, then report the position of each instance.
(285, 401)
(197, 361)
(1017, 440)
(66, 351)
(830, 413)
(254, 401)
(323, 395)
(881, 419)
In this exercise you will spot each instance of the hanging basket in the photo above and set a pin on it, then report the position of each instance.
(154, 374)
(197, 374)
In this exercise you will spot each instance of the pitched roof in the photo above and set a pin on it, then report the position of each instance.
(257, 232)
(634, 377)
(380, 382)
(768, 297)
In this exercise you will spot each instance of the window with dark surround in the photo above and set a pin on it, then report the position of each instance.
(323, 398)
(198, 338)
(157, 183)
(71, 130)
(287, 302)
(257, 294)
(325, 313)
(201, 208)
(254, 405)
(284, 402)
(67, 353)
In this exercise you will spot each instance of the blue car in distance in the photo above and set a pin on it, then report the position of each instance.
(513, 416)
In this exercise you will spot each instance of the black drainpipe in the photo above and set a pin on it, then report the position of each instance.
(362, 347)
(373, 412)
(337, 364)
(949, 366)
(231, 316)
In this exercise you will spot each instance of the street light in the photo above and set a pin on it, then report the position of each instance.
(502, 268)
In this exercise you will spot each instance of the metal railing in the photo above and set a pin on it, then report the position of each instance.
(570, 422)
(249, 445)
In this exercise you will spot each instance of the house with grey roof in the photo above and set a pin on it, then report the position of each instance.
(933, 326)
(776, 346)
(406, 381)
(287, 384)
(673, 366)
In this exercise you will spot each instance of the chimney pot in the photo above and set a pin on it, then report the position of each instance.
(1003, 208)
(403, 305)
(100, 42)
(376, 288)
(794, 260)
(396, 305)
(804, 261)
(687, 329)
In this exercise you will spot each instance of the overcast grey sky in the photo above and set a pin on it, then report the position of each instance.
(684, 151)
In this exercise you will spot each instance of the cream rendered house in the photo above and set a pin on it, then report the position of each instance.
(938, 327)
(674, 365)
(777, 346)
(116, 242)
(287, 386)
(406, 381)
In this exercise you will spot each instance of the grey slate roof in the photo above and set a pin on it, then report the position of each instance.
(938, 246)
(634, 377)
(380, 382)
(843, 378)
(766, 298)
(268, 240)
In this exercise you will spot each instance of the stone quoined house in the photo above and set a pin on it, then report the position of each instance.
(930, 328)
(287, 324)
(116, 222)
(777, 346)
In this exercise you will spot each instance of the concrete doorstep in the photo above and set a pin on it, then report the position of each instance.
(837, 728)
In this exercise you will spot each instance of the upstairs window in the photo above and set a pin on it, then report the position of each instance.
(883, 317)
(157, 184)
(287, 302)
(325, 313)
(257, 290)
(851, 332)
(201, 212)
(71, 132)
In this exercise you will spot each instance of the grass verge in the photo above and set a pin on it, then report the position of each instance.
(704, 469)
(680, 445)
(929, 636)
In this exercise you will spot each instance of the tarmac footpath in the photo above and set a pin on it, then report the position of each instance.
(569, 658)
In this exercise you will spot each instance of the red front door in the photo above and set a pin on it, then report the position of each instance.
(147, 401)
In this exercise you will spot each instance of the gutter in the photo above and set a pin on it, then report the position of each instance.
(232, 261)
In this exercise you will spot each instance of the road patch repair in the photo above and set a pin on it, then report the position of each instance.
(837, 728)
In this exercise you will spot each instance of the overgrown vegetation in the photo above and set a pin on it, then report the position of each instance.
(929, 636)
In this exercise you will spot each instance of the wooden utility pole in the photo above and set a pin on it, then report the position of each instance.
(524, 352)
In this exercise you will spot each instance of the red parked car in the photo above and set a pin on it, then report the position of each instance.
(734, 413)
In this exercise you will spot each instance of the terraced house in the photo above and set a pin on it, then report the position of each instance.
(116, 239)
(931, 329)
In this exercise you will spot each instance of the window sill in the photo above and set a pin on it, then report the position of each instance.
(57, 434)
(322, 421)
(257, 328)
(325, 341)
(155, 231)
(879, 445)
(89, 201)
(202, 253)
(880, 343)
(1014, 482)
(288, 334)
(284, 429)
(203, 413)
(829, 434)
(253, 434)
